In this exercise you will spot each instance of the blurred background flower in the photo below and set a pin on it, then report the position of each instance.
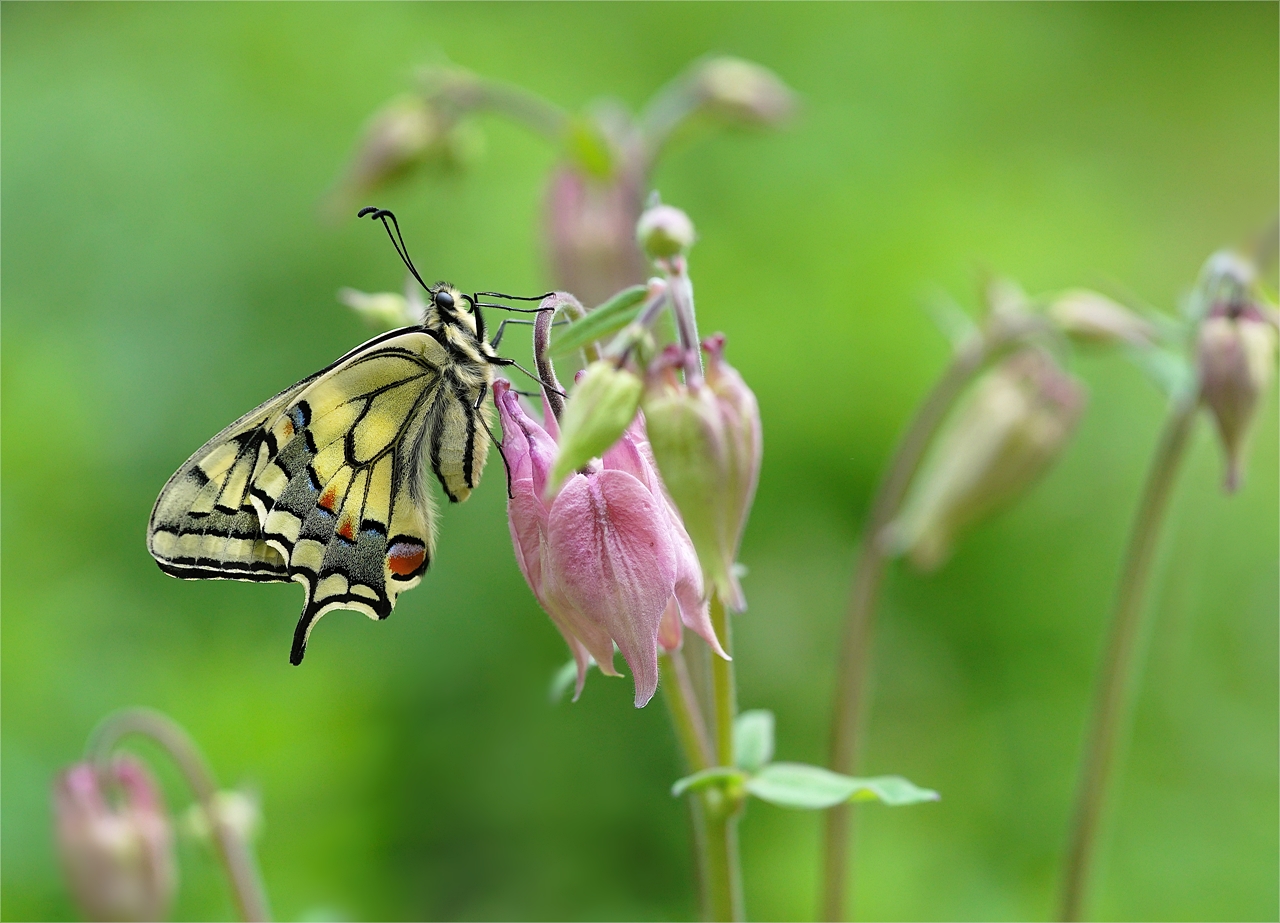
(164, 270)
(115, 840)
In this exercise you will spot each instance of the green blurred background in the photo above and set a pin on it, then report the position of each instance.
(165, 270)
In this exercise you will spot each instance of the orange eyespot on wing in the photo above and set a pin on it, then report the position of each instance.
(406, 557)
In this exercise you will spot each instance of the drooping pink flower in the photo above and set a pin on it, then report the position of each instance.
(119, 858)
(606, 555)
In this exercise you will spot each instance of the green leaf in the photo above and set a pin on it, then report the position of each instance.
(614, 314)
(706, 777)
(951, 319)
(753, 739)
(796, 785)
(1170, 372)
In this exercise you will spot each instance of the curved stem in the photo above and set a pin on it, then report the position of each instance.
(237, 859)
(547, 309)
(470, 93)
(1002, 334)
(1117, 681)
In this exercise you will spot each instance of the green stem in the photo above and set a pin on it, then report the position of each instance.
(1118, 679)
(1002, 334)
(235, 854)
(859, 623)
(722, 807)
(691, 733)
(686, 717)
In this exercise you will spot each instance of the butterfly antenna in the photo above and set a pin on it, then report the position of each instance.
(397, 239)
(515, 297)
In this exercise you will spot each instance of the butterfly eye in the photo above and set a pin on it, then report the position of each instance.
(444, 300)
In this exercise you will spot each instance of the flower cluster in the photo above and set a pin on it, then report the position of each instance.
(606, 553)
(623, 542)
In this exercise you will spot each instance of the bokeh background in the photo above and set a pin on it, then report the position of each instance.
(165, 269)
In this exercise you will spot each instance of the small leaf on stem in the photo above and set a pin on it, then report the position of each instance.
(609, 317)
(796, 785)
(712, 776)
(753, 739)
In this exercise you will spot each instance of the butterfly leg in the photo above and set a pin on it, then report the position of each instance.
(484, 389)
(503, 361)
(497, 337)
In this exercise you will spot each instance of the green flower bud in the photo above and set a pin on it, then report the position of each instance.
(398, 137)
(664, 231)
(1014, 425)
(706, 440)
(385, 310)
(598, 412)
(743, 93)
(1092, 318)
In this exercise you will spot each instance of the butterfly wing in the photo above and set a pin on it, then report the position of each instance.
(326, 481)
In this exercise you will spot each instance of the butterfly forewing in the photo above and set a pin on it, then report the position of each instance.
(323, 484)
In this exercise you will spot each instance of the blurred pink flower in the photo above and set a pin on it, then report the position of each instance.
(606, 556)
(119, 859)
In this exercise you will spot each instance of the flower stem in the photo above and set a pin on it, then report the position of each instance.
(686, 716)
(235, 854)
(691, 732)
(1117, 682)
(1000, 335)
(723, 808)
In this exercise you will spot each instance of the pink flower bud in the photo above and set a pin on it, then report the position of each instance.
(119, 859)
(664, 231)
(1014, 425)
(606, 555)
(707, 441)
(591, 234)
(1236, 354)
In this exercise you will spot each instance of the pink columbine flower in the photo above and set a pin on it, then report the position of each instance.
(606, 555)
(118, 857)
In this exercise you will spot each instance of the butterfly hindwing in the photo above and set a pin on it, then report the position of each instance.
(324, 484)
(193, 532)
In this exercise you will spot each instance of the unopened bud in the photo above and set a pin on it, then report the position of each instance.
(238, 812)
(664, 231)
(1236, 355)
(385, 310)
(1093, 318)
(598, 412)
(742, 92)
(398, 137)
(706, 440)
(119, 858)
(1015, 424)
(590, 233)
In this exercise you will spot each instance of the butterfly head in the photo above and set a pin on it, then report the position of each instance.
(449, 307)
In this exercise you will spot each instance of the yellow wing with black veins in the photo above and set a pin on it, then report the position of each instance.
(324, 483)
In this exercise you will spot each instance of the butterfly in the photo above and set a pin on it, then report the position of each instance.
(325, 484)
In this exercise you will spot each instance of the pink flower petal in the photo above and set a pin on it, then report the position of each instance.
(610, 546)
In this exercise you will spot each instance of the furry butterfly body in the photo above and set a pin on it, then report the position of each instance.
(326, 484)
